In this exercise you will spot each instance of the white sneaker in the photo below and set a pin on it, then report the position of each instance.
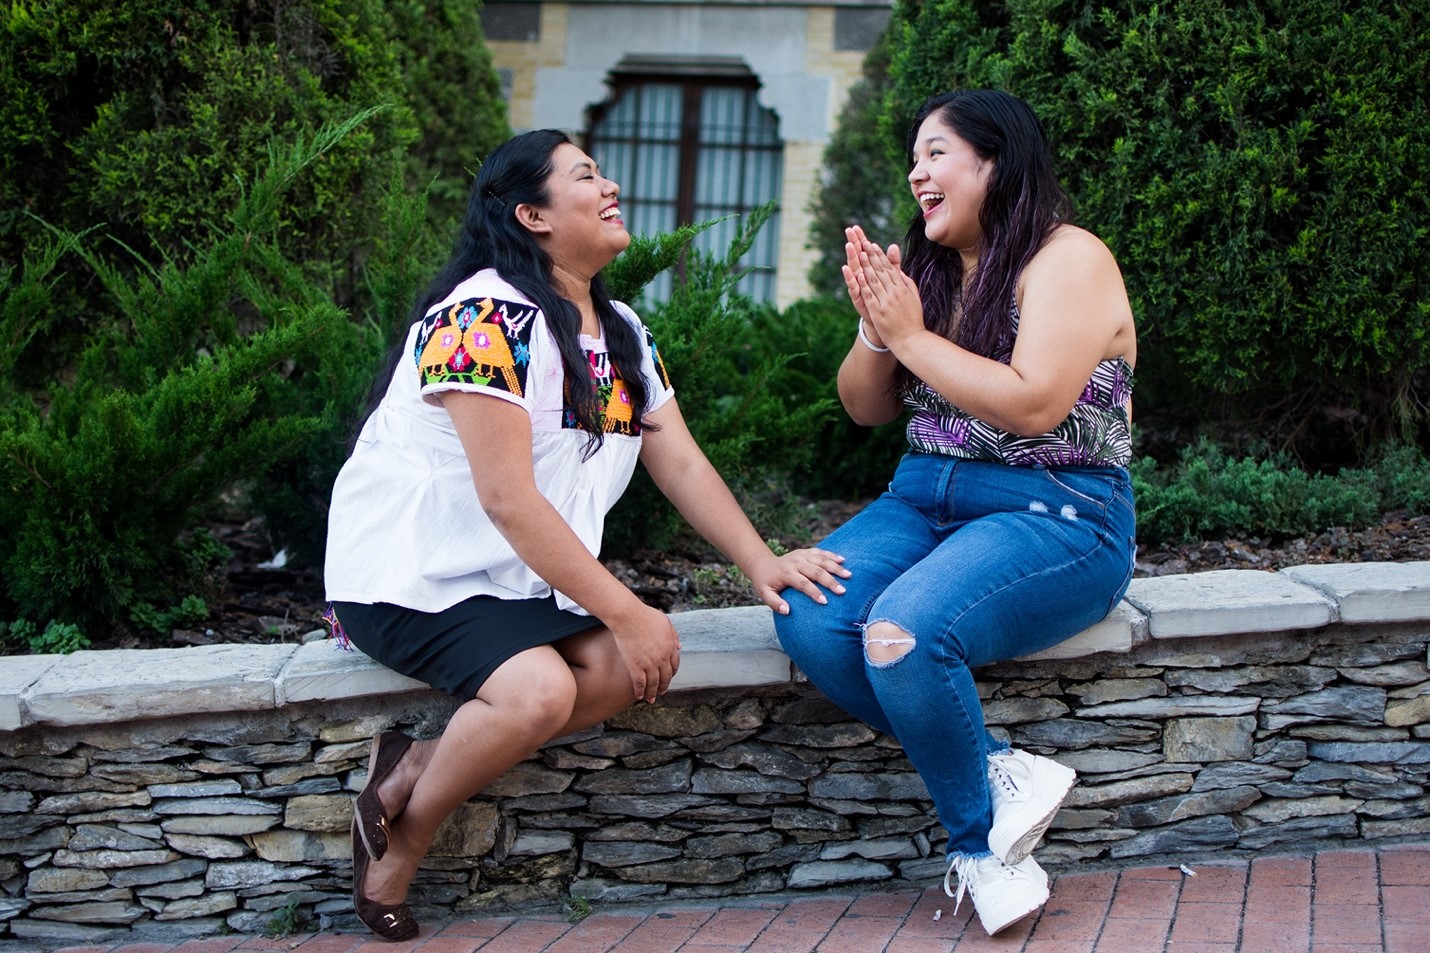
(1027, 791)
(1002, 894)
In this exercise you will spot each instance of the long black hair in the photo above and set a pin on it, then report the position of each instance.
(1023, 205)
(490, 237)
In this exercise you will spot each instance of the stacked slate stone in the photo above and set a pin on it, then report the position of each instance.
(1304, 738)
(1185, 748)
(186, 826)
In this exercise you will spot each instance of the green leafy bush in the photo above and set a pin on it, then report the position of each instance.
(863, 181)
(176, 401)
(139, 114)
(145, 119)
(332, 386)
(191, 611)
(145, 281)
(1258, 170)
(57, 638)
(1403, 475)
(809, 340)
(1208, 494)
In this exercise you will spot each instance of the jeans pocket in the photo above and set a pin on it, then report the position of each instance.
(1087, 494)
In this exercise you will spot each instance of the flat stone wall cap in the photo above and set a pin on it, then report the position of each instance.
(323, 670)
(20, 672)
(734, 629)
(1123, 628)
(731, 669)
(1227, 602)
(722, 648)
(1371, 592)
(94, 687)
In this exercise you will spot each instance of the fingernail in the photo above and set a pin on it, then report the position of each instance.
(839, 589)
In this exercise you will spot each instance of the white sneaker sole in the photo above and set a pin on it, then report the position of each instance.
(1010, 846)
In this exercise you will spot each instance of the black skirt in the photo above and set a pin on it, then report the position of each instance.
(456, 650)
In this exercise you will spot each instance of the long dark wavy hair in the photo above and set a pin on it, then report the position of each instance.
(1023, 205)
(490, 237)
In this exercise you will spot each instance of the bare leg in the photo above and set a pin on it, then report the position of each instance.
(534, 696)
(603, 683)
(603, 688)
(528, 700)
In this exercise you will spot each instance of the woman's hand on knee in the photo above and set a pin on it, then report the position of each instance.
(811, 571)
(651, 650)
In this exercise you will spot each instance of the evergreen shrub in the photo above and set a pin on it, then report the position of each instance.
(1208, 494)
(862, 186)
(707, 333)
(191, 389)
(146, 117)
(810, 339)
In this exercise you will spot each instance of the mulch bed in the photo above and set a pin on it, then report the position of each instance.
(284, 604)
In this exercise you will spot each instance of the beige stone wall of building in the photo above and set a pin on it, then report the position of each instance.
(804, 161)
(523, 60)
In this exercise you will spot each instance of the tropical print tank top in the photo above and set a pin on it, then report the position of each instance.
(1095, 434)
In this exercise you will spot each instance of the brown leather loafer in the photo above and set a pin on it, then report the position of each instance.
(390, 923)
(372, 821)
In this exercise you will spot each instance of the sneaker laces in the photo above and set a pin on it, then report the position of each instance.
(963, 866)
(1002, 777)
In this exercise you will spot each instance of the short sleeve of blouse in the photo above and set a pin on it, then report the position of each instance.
(477, 344)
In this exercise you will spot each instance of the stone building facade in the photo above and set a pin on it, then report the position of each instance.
(563, 63)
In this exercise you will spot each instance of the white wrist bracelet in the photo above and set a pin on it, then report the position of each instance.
(868, 343)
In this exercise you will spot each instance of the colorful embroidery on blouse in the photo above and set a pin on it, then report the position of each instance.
(1095, 433)
(656, 360)
(486, 342)
(614, 398)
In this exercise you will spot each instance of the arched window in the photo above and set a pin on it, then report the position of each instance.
(688, 141)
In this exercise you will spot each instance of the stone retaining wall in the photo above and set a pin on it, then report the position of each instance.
(198, 790)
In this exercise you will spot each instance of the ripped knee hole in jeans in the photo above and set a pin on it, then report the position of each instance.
(882, 650)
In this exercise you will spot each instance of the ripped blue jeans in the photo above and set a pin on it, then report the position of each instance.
(970, 563)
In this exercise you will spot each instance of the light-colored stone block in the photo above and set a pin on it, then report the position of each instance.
(1371, 592)
(1227, 602)
(721, 647)
(323, 670)
(1123, 628)
(19, 673)
(96, 687)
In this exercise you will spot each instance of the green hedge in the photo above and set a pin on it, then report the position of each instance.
(194, 387)
(147, 118)
(1259, 170)
(211, 217)
(729, 384)
(1208, 493)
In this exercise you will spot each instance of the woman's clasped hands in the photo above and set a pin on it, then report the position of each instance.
(886, 299)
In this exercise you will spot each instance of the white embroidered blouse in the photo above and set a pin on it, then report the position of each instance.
(405, 526)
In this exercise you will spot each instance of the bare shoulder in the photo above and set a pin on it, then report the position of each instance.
(1075, 261)
(1070, 246)
(1074, 282)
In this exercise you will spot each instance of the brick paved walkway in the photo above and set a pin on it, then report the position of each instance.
(1335, 901)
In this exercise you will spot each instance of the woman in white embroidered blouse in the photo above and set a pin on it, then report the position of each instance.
(465, 525)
